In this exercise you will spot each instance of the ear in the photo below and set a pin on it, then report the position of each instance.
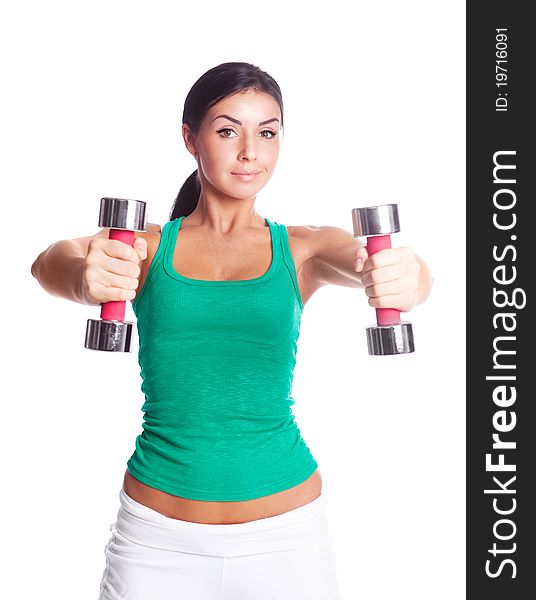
(189, 140)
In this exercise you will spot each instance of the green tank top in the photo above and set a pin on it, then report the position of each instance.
(217, 361)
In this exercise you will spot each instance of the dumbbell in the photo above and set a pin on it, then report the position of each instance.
(112, 333)
(389, 335)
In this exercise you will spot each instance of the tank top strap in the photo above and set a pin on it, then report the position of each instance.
(286, 255)
(166, 236)
(169, 234)
(158, 258)
(275, 243)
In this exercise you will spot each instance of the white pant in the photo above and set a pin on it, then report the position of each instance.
(285, 557)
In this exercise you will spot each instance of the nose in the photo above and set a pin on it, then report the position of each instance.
(248, 150)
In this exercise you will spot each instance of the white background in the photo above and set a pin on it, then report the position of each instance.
(374, 100)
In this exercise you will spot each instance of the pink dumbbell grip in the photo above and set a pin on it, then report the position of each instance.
(114, 310)
(384, 316)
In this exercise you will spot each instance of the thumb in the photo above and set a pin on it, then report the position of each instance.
(140, 245)
(360, 257)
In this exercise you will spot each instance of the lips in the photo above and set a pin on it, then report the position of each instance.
(245, 176)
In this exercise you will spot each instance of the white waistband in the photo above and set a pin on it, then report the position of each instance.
(297, 528)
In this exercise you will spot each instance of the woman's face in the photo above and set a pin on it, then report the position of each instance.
(246, 139)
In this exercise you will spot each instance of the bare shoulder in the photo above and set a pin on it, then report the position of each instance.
(302, 240)
(152, 233)
(154, 228)
(151, 230)
(316, 240)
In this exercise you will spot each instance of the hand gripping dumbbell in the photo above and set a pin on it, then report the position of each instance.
(112, 333)
(389, 335)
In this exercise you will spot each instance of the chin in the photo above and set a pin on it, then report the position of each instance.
(244, 190)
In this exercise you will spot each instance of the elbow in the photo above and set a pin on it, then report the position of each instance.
(35, 267)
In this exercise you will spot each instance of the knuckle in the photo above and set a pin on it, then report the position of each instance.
(92, 261)
(381, 302)
(121, 282)
(87, 269)
(373, 276)
(373, 289)
(123, 251)
(378, 302)
(375, 261)
(92, 293)
(130, 271)
(119, 249)
(97, 245)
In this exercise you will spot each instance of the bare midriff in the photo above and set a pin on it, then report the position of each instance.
(223, 513)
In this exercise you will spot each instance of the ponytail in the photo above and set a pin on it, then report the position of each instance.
(187, 198)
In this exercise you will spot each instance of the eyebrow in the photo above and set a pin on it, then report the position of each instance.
(239, 123)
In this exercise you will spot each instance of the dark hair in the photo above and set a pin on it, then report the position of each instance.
(215, 85)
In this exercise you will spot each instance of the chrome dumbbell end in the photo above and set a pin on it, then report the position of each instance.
(120, 213)
(375, 220)
(109, 336)
(396, 338)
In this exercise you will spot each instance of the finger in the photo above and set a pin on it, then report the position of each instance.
(121, 267)
(360, 256)
(119, 281)
(118, 249)
(380, 275)
(120, 294)
(395, 301)
(140, 245)
(384, 289)
(388, 257)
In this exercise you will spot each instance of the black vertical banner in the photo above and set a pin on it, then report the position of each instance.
(501, 336)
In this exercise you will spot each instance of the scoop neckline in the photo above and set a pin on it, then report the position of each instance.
(170, 269)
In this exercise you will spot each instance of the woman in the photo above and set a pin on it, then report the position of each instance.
(222, 497)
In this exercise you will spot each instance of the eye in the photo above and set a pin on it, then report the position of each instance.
(225, 129)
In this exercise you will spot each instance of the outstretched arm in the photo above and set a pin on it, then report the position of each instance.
(392, 278)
